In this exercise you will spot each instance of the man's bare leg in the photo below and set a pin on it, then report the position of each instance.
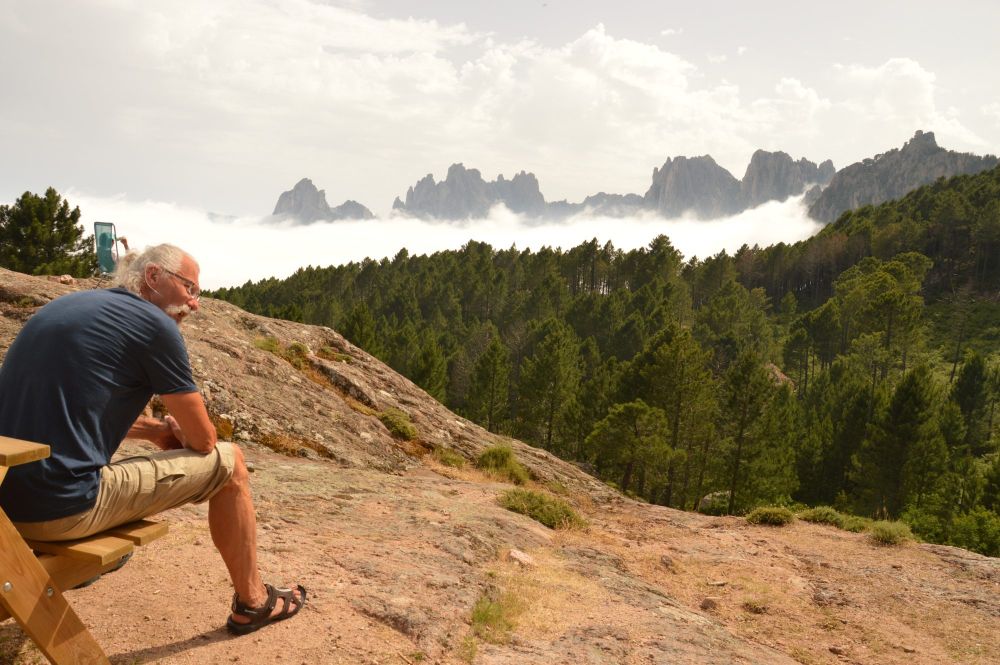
(233, 523)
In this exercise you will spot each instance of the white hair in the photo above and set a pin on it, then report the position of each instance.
(131, 271)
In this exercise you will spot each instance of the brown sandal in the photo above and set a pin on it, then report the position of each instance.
(261, 616)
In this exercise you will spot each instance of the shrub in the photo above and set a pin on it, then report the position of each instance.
(716, 503)
(855, 524)
(889, 533)
(269, 344)
(755, 606)
(296, 355)
(978, 531)
(329, 353)
(493, 616)
(548, 510)
(500, 462)
(449, 457)
(398, 424)
(823, 515)
(771, 515)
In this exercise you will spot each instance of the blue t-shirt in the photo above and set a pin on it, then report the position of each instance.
(76, 378)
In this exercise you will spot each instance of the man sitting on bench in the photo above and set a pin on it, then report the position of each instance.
(78, 376)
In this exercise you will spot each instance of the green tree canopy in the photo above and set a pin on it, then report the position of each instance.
(41, 235)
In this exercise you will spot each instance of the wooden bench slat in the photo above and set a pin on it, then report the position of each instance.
(142, 532)
(99, 548)
(16, 451)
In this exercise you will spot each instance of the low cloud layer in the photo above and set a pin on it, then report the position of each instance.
(232, 251)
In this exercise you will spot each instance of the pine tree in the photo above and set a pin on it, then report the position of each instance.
(41, 235)
(681, 384)
(487, 398)
(359, 328)
(429, 369)
(747, 389)
(630, 444)
(970, 393)
(549, 380)
(904, 451)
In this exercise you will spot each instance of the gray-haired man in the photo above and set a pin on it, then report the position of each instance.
(78, 377)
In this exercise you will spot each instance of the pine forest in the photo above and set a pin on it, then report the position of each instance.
(859, 369)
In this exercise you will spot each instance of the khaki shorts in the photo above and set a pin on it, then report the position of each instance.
(137, 487)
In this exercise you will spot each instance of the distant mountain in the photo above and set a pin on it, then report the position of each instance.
(891, 175)
(773, 176)
(463, 194)
(683, 185)
(694, 184)
(307, 204)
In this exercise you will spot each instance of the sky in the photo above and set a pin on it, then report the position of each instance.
(156, 113)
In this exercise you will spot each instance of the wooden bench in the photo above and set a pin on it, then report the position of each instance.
(32, 573)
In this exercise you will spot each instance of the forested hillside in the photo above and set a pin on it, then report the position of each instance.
(804, 373)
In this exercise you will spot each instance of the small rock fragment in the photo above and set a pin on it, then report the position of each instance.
(521, 558)
(908, 649)
(839, 651)
(718, 583)
(667, 562)
(709, 604)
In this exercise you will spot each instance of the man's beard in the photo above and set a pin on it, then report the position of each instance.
(178, 312)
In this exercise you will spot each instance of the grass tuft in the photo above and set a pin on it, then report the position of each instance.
(493, 616)
(771, 516)
(500, 462)
(449, 458)
(889, 533)
(269, 344)
(398, 423)
(548, 510)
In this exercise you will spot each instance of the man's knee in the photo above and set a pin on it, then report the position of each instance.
(241, 476)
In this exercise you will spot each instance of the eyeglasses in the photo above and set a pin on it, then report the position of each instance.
(191, 288)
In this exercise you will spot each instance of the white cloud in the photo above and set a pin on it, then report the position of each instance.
(670, 32)
(992, 111)
(717, 58)
(233, 251)
(901, 96)
(226, 104)
(741, 50)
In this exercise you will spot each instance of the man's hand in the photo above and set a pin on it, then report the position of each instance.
(161, 433)
(192, 419)
(175, 430)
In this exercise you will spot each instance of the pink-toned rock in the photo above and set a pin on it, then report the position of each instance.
(521, 558)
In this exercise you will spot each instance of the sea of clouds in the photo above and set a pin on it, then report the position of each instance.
(234, 250)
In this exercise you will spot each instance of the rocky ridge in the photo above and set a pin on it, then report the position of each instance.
(683, 185)
(892, 174)
(397, 549)
(307, 204)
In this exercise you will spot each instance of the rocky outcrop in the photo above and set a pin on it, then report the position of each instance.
(463, 194)
(893, 174)
(774, 176)
(694, 184)
(307, 204)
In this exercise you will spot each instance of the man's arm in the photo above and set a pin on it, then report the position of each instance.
(155, 430)
(196, 429)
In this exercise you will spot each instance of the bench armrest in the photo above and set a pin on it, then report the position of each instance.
(16, 451)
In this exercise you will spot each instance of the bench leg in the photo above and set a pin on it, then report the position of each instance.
(29, 594)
